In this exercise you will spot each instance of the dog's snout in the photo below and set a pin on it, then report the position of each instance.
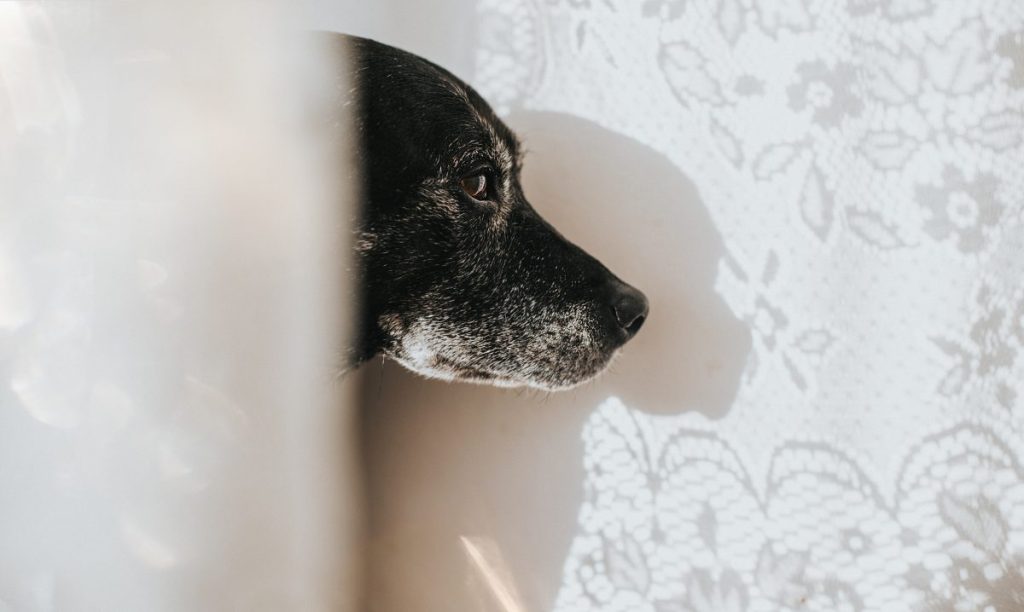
(630, 308)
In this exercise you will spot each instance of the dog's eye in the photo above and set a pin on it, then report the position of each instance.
(476, 186)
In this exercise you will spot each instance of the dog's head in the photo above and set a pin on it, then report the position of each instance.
(462, 279)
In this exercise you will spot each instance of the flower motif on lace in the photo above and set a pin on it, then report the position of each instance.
(960, 208)
(950, 540)
(828, 91)
(989, 337)
(991, 348)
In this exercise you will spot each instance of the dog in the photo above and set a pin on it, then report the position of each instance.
(460, 278)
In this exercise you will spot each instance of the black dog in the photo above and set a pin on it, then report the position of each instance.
(461, 278)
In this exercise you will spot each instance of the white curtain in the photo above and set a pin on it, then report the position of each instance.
(862, 164)
(171, 249)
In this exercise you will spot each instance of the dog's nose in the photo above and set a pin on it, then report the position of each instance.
(630, 308)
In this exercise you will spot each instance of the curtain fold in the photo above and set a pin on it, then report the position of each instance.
(171, 308)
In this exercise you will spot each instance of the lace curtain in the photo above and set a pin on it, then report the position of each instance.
(824, 200)
(862, 162)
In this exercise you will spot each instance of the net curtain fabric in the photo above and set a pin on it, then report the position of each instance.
(863, 163)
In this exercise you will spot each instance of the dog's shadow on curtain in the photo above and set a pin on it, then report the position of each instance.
(451, 460)
(634, 210)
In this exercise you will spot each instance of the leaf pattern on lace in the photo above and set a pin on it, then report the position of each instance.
(817, 206)
(872, 228)
(794, 373)
(956, 377)
(893, 77)
(777, 158)
(977, 520)
(999, 131)
(959, 64)
(686, 71)
(731, 18)
(727, 142)
(627, 565)
(888, 150)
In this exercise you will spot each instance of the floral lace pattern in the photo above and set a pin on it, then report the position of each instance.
(673, 521)
(862, 160)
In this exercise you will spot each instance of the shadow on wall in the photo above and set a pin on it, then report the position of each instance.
(632, 209)
(451, 460)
